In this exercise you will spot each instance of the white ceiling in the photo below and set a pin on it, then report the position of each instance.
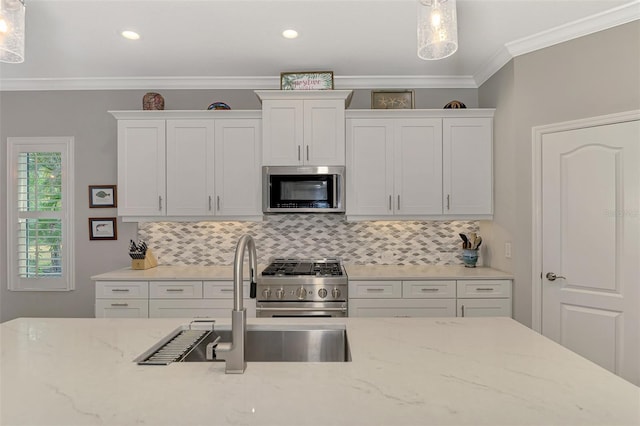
(75, 44)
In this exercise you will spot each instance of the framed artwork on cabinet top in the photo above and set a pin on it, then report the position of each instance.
(306, 80)
(389, 99)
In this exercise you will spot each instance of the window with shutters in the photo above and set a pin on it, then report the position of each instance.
(40, 214)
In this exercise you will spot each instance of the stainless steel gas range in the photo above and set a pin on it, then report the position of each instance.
(302, 288)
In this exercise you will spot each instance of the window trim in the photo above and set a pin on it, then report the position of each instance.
(65, 145)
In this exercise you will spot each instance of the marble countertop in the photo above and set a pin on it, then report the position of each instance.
(404, 371)
(354, 272)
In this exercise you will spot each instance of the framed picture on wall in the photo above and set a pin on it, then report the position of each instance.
(103, 196)
(103, 228)
(388, 99)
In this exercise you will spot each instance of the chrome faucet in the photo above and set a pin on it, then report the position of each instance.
(233, 352)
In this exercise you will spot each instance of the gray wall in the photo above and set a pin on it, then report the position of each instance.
(594, 75)
(83, 115)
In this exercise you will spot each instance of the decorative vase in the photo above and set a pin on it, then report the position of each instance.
(152, 101)
(470, 257)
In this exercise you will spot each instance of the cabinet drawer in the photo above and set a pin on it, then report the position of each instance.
(223, 290)
(122, 289)
(122, 308)
(175, 289)
(428, 289)
(375, 289)
(484, 288)
(484, 307)
(402, 308)
(196, 308)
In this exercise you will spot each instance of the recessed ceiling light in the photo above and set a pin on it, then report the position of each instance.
(130, 35)
(289, 34)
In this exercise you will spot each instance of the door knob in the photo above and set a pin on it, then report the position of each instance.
(552, 277)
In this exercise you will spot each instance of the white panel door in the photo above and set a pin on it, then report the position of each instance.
(591, 241)
(237, 167)
(283, 132)
(190, 160)
(418, 166)
(141, 168)
(370, 168)
(324, 143)
(467, 165)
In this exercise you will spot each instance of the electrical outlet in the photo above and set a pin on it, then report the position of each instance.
(507, 250)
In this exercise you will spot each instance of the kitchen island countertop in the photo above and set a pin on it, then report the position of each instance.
(404, 371)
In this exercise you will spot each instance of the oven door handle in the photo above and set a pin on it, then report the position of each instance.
(343, 309)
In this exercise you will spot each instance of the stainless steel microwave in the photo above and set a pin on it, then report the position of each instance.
(303, 189)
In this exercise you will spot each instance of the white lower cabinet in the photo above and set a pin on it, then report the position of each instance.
(484, 298)
(122, 299)
(122, 308)
(402, 298)
(429, 298)
(168, 299)
(402, 307)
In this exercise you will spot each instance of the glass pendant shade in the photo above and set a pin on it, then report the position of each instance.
(12, 31)
(437, 29)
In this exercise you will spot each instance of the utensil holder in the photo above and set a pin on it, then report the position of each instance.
(148, 262)
(470, 257)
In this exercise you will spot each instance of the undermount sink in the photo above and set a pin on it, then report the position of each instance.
(271, 343)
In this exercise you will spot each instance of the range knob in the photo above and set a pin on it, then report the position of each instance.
(280, 293)
(335, 293)
(301, 293)
(266, 293)
(322, 293)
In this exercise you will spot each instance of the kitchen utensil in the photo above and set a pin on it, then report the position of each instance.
(477, 243)
(465, 240)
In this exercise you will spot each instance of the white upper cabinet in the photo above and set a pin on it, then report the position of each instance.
(303, 127)
(237, 167)
(468, 166)
(419, 163)
(189, 166)
(394, 166)
(141, 168)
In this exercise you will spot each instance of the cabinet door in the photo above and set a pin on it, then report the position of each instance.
(484, 307)
(402, 308)
(324, 139)
(197, 308)
(190, 160)
(283, 132)
(468, 163)
(237, 167)
(418, 166)
(122, 308)
(370, 167)
(141, 168)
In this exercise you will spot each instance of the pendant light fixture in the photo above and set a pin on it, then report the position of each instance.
(12, 31)
(437, 29)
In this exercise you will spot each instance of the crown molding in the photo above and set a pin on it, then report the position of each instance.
(251, 82)
(608, 19)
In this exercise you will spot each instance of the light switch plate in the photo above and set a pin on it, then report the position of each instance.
(507, 250)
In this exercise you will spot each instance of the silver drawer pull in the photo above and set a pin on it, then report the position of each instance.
(175, 289)
(429, 289)
(120, 290)
(120, 305)
(375, 290)
(226, 290)
(484, 289)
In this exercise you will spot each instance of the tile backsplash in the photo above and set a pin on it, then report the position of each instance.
(309, 235)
